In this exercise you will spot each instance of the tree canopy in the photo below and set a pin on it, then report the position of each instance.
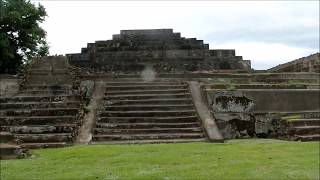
(21, 37)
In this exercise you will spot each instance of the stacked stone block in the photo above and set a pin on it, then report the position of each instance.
(131, 50)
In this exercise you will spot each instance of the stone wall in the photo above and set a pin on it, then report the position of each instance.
(264, 100)
(257, 112)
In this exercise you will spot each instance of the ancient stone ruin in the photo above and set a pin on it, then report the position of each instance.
(154, 86)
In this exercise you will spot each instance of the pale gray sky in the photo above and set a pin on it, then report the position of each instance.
(266, 32)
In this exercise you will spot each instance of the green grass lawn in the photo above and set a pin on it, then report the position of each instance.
(235, 159)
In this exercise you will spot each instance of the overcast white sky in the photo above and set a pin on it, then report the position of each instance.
(267, 32)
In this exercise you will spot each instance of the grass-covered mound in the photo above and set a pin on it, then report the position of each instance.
(236, 159)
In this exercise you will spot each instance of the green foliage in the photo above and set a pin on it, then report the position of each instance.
(232, 87)
(235, 159)
(21, 37)
(292, 117)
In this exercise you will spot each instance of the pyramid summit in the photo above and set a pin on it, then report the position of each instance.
(165, 50)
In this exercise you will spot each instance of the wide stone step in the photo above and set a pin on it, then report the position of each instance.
(145, 91)
(176, 119)
(6, 137)
(43, 77)
(305, 130)
(146, 131)
(9, 151)
(46, 87)
(174, 101)
(149, 107)
(38, 105)
(135, 83)
(40, 112)
(44, 92)
(300, 115)
(37, 120)
(152, 141)
(313, 137)
(44, 145)
(41, 138)
(5, 128)
(304, 122)
(39, 99)
(136, 87)
(38, 72)
(147, 136)
(147, 96)
(146, 113)
(146, 125)
(42, 129)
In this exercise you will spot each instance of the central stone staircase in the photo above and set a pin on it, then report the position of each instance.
(147, 112)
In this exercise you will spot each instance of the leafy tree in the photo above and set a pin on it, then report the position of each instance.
(21, 37)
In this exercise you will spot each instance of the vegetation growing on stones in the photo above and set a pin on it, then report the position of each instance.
(21, 37)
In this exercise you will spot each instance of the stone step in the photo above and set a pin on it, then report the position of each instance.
(40, 112)
(300, 115)
(147, 96)
(146, 131)
(49, 72)
(42, 129)
(155, 141)
(42, 138)
(10, 151)
(37, 120)
(5, 128)
(6, 137)
(305, 130)
(47, 87)
(173, 101)
(64, 98)
(44, 92)
(146, 125)
(304, 122)
(137, 87)
(149, 107)
(146, 113)
(38, 105)
(43, 77)
(147, 136)
(44, 145)
(137, 83)
(145, 91)
(172, 119)
(313, 137)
